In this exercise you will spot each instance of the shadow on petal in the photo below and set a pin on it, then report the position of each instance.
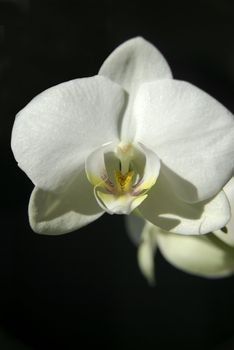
(77, 196)
(182, 188)
(60, 212)
(166, 210)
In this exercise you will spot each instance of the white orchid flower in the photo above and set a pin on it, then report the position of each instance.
(210, 255)
(130, 137)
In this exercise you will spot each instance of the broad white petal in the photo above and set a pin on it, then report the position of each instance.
(146, 253)
(205, 256)
(58, 213)
(191, 132)
(135, 62)
(56, 131)
(164, 209)
(226, 234)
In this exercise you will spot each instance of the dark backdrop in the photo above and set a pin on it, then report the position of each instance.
(85, 288)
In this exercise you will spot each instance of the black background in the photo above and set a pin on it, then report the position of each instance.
(85, 288)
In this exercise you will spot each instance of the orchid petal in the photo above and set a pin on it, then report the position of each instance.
(205, 256)
(226, 234)
(164, 209)
(56, 131)
(135, 62)
(54, 213)
(191, 132)
(131, 64)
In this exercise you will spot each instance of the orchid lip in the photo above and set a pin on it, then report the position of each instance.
(122, 175)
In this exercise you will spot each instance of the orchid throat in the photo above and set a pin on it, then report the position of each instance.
(122, 175)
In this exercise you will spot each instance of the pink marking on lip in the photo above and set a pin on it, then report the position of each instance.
(108, 184)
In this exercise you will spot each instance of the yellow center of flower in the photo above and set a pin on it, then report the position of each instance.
(122, 175)
(123, 181)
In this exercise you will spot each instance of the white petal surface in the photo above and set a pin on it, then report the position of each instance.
(227, 233)
(131, 64)
(58, 213)
(205, 256)
(95, 164)
(113, 204)
(134, 62)
(191, 132)
(164, 209)
(151, 169)
(55, 132)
